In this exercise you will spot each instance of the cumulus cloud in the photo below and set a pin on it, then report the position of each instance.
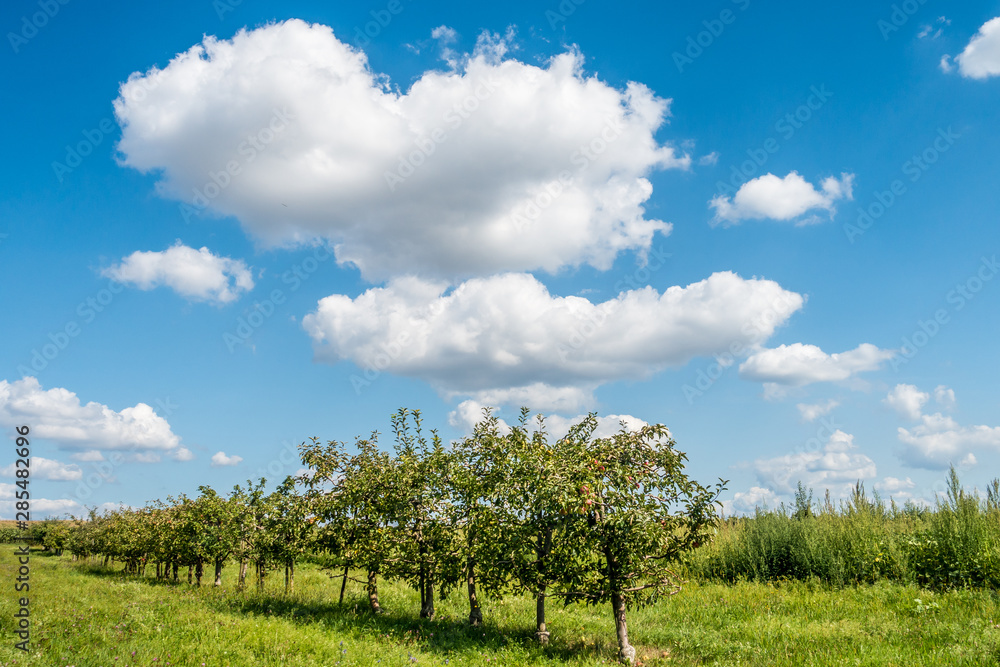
(506, 339)
(445, 37)
(746, 502)
(194, 274)
(57, 415)
(798, 364)
(183, 454)
(837, 465)
(776, 198)
(907, 400)
(812, 412)
(494, 166)
(90, 456)
(944, 397)
(220, 459)
(939, 441)
(981, 57)
(470, 412)
(42, 508)
(894, 485)
(43, 468)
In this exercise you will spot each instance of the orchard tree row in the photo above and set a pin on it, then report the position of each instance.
(578, 520)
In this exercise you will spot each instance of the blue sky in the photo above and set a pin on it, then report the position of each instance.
(229, 227)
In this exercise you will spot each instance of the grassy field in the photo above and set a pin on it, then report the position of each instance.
(90, 617)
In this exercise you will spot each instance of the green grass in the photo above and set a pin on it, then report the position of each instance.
(90, 617)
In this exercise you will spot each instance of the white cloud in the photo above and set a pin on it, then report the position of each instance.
(505, 339)
(837, 465)
(492, 138)
(811, 412)
(981, 58)
(470, 412)
(43, 468)
(538, 396)
(194, 274)
(748, 501)
(907, 400)
(57, 415)
(90, 456)
(934, 31)
(944, 397)
(42, 508)
(709, 160)
(895, 485)
(787, 198)
(445, 37)
(798, 364)
(183, 454)
(939, 441)
(221, 459)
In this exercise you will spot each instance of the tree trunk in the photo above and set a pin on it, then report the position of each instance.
(260, 576)
(373, 592)
(626, 652)
(542, 548)
(289, 575)
(343, 583)
(475, 613)
(199, 569)
(241, 584)
(540, 630)
(427, 609)
(176, 566)
(218, 571)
